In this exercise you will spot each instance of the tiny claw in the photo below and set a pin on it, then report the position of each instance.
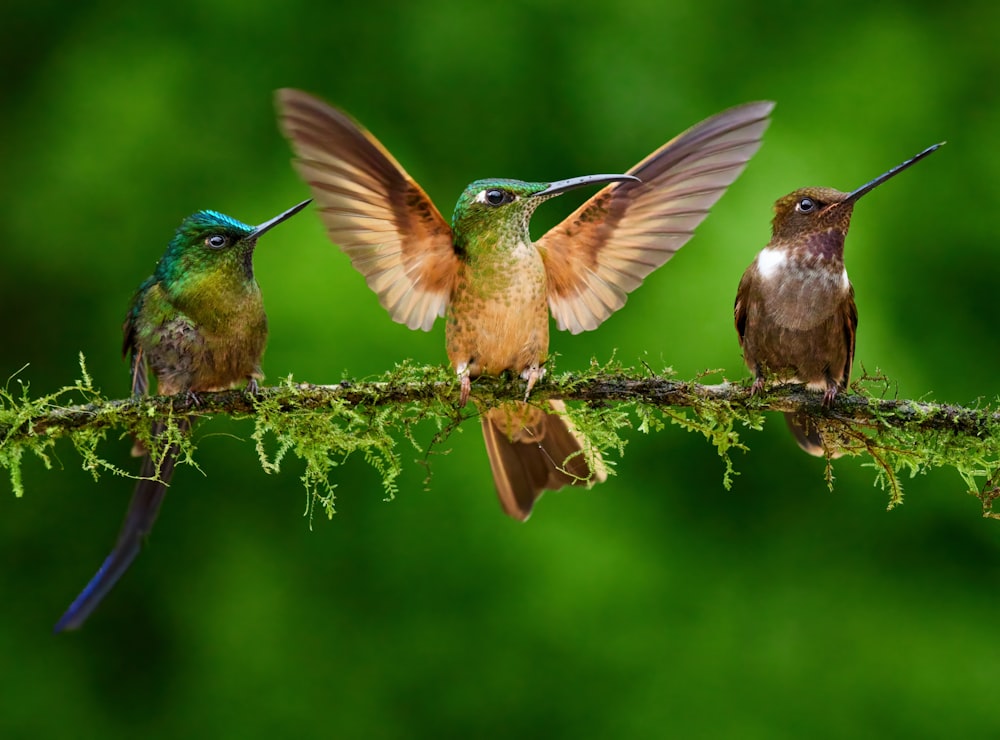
(192, 398)
(758, 385)
(532, 374)
(253, 388)
(829, 396)
(463, 397)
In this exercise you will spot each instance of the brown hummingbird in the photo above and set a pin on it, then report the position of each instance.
(494, 286)
(795, 312)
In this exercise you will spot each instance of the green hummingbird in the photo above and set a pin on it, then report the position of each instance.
(198, 322)
(494, 286)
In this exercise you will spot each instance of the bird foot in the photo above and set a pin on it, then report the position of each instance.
(829, 396)
(758, 385)
(463, 374)
(532, 374)
(253, 389)
(193, 399)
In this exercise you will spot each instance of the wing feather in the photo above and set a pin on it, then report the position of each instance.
(375, 212)
(608, 246)
(850, 334)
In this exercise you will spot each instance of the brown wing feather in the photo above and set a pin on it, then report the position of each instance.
(532, 451)
(130, 347)
(740, 307)
(608, 246)
(372, 209)
(850, 334)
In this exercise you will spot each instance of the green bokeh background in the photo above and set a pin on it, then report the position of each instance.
(656, 605)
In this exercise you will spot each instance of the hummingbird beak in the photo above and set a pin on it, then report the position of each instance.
(868, 187)
(561, 186)
(268, 225)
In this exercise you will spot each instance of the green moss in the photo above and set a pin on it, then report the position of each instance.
(414, 405)
(324, 437)
(18, 435)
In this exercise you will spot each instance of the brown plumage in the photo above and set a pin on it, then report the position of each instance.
(795, 313)
(533, 450)
(493, 284)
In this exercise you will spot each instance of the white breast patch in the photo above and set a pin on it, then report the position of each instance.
(770, 262)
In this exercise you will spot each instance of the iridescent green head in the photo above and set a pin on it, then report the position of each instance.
(501, 208)
(209, 241)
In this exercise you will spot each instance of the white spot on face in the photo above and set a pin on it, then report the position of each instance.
(481, 196)
(770, 262)
(844, 281)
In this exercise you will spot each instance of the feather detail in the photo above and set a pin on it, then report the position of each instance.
(532, 450)
(378, 215)
(605, 249)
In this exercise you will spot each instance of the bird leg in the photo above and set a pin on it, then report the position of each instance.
(463, 374)
(758, 381)
(532, 373)
(830, 394)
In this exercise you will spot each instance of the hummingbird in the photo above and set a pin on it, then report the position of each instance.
(198, 322)
(492, 284)
(795, 313)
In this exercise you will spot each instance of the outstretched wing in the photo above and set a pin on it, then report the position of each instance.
(378, 215)
(605, 249)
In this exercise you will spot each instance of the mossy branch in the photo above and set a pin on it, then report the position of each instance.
(322, 424)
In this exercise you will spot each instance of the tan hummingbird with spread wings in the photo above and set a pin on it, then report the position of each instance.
(494, 286)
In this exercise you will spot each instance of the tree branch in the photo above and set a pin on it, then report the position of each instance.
(850, 408)
(317, 421)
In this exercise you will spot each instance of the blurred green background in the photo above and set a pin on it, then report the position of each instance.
(656, 605)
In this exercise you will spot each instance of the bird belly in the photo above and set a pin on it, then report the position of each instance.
(187, 355)
(812, 356)
(796, 333)
(505, 327)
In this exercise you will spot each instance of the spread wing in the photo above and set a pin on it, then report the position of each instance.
(608, 246)
(378, 215)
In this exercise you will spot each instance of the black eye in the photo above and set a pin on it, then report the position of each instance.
(216, 241)
(496, 197)
(806, 205)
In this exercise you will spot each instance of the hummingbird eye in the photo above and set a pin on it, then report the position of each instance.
(497, 197)
(216, 241)
(805, 205)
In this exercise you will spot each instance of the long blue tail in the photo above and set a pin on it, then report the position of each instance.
(139, 519)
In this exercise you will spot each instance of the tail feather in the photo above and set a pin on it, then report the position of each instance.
(532, 451)
(139, 519)
(803, 427)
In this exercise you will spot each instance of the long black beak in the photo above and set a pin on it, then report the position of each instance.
(868, 187)
(561, 186)
(268, 225)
